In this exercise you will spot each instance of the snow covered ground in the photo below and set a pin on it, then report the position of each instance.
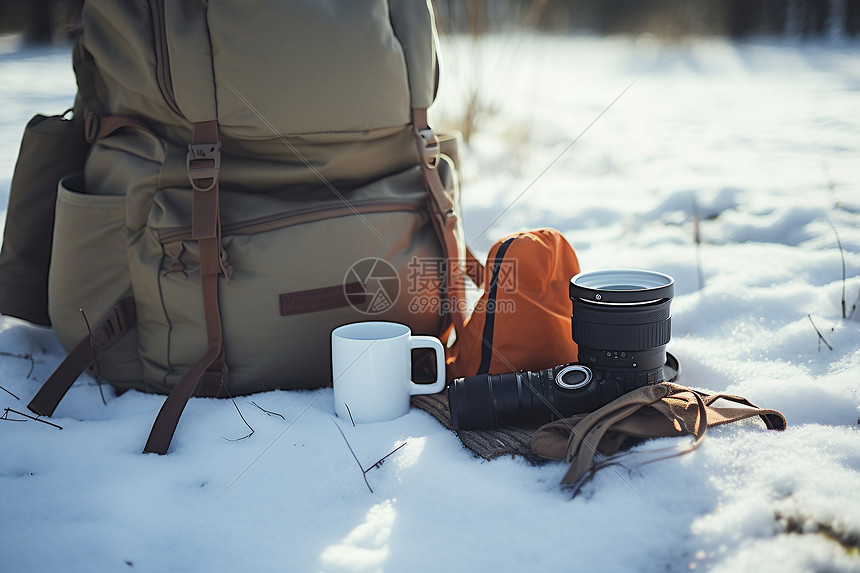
(760, 141)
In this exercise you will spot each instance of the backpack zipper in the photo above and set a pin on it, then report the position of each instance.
(162, 61)
(307, 215)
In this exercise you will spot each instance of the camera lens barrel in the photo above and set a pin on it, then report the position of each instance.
(530, 399)
(621, 327)
(523, 398)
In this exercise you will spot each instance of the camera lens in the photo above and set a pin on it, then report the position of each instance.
(621, 321)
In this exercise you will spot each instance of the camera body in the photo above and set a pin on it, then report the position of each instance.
(621, 322)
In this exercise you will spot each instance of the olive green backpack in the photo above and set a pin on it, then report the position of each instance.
(249, 176)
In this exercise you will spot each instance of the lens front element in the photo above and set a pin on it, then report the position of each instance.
(623, 286)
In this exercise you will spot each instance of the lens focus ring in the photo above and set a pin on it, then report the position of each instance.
(620, 337)
(621, 327)
(621, 315)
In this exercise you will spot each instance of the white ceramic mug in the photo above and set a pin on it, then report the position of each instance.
(372, 370)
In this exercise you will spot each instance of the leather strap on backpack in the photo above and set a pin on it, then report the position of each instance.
(108, 330)
(210, 372)
(204, 163)
(444, 219)
(100, 126)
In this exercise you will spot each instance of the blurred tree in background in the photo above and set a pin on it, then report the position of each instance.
(39, 21)
(45, 21)
(736, 18)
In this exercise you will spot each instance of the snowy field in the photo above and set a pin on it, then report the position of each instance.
(759, 141)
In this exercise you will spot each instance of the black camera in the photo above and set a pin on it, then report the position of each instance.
(621, 323)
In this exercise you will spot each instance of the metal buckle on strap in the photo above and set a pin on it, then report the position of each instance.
(203, 178)
(431, 150)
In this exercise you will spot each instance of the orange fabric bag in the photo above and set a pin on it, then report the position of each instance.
(522, 320)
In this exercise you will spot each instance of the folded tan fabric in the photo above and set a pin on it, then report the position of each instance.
(658, 411)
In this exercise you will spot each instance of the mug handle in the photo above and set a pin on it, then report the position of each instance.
(436, 345)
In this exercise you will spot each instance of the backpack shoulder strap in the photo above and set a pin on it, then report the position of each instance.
(414, 25)
(444, 219)
(121, 318)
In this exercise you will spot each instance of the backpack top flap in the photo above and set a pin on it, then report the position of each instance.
(300, 67)
(522, 320)
(302, 90)
(304, 66)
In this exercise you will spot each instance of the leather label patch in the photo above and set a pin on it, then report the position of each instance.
(319, 299)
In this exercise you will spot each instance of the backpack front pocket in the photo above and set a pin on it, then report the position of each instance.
(297, 271)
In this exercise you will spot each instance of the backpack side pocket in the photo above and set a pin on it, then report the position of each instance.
(51, 148)
(89, 274)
